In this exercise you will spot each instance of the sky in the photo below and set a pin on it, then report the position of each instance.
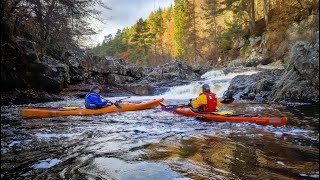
(124, 13)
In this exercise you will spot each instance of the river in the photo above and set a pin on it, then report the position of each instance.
(153, 144)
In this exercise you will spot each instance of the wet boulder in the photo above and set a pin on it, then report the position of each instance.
(17, 53)
(135, 71)
(236, 62)
(253, 61)
(116, 79)
(169, 71)
(49, 75)
(300, 81)
(89, 68)
(257, 87)
(77, 66)
(257, 60)
(139, 89)
(239, 85)
(167, 75)
(254, 41)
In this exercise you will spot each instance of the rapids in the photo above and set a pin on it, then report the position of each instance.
(152, 144)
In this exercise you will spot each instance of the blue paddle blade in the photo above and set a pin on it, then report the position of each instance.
(170, 107)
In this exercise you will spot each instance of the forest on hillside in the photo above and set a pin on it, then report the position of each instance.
(53, 25)
(206, 32)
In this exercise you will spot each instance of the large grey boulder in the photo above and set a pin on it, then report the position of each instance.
(255, 40)
(27, 50)
(90, 68)
(253, 61)
(300, 81)
(49, 75)
(254, 87)
(135, 71)
(26, 69)
(139, 89)
(169, 71)
(116, 79)
(78, 70)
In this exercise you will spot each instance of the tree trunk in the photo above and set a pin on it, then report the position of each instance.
(47, 20)
(39, 14)
(266, 11)
(194, 31)
(251, 16)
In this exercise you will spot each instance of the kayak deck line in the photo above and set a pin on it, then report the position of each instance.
(240, 118)
(43, 113)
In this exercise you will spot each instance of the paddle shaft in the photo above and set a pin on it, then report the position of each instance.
(174, 107)
(116, 103)
(224, 101)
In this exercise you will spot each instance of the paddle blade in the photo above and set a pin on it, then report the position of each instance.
(70, 107)
(124, 98)
(117, 104)
(170, 107)
(223, 112)
(227, 100)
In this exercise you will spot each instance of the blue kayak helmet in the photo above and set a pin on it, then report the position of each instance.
(95, 87)
(206, 88)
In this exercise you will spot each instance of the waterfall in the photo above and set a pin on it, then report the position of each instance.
(218, 80)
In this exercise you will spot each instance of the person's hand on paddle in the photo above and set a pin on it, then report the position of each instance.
(117, 103)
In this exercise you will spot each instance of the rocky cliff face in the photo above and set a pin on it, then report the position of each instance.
(300, 81)
(25, 68)
(298, 48)
(274, 45)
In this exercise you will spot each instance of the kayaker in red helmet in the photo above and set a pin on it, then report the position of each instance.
(206, 101)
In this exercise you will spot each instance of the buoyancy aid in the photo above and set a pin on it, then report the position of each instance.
(211, 103)
(93, 101)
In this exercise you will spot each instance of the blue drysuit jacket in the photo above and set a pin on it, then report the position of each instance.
(94, 101)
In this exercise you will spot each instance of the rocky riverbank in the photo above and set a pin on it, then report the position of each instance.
(30, 77)
(299, 82)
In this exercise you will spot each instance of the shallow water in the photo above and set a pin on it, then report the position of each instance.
(152, 144)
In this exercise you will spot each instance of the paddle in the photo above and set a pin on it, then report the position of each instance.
(124, 98)
(227, 100)
(116, 103)
(63, 107)
(174, 107)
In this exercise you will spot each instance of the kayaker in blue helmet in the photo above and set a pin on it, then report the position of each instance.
(93, 99)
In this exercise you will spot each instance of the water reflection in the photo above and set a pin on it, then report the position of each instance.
(245, 162)
(238, 157)
(161, 145)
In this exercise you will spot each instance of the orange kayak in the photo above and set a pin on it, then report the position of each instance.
(236, 118)
(54, 112)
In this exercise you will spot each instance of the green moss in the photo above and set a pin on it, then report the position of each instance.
(246, 51)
